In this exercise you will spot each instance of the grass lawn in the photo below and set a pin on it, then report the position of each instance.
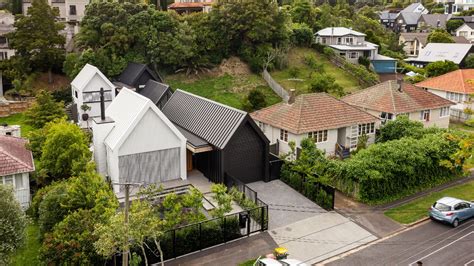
(248, 263)
(418, 209)
(226, 89)
(461, 126)
(17, 119)
(296, 59)
(28, 254)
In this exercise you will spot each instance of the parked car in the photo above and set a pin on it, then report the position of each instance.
(451, 210)
(285, 262)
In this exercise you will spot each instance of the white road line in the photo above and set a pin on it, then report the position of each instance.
(441, 248)
(468, 263)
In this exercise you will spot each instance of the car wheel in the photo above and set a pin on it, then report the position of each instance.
(455, 223)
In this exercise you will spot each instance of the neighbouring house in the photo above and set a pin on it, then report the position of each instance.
(456, 86)
(6, 26)
(393, 98)
(466, 30)
(141, 79)
(406, 21)
(428, 22)
(414, 41)
(334, 125)
(351, 45)
(222, 141)
(85, 89)
(70, 11)
(16, 164)
(387, 17)
(456, 6)
(186, 6)
(432, 52)
(135, 142)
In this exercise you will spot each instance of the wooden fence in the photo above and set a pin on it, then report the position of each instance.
(276, 87)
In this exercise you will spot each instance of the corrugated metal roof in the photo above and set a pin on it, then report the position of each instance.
(433, 52)
(209, 120)
(338, 31)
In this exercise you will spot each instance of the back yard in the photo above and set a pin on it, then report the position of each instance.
(296, 60)
(228, 84)
(17, 119)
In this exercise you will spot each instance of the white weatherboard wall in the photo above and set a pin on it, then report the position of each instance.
(435, 119)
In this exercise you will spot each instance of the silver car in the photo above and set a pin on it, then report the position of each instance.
(451, 210)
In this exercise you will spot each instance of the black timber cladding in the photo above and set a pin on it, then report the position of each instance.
(209, 120)
(241, 148)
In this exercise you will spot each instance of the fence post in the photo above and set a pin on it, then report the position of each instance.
(248, 222)
(223, 227)
(174, 243)
(262, 218)
(200, 235)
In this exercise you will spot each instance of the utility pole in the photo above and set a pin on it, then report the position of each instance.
(125, 220)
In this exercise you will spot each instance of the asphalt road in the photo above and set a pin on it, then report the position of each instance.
(431, 242)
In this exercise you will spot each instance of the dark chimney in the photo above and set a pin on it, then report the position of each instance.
(292, 95)
(102, 104)
(400, 85)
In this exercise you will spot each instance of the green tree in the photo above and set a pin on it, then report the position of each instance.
(325, 83)
(13, 224)
(301, 34)
(401, 127)
(452, 25)
(45, 109)
(223, 200)
(439, 68)
(37, 40)
(311, 160)
(255, 99)
(65, 151)
(469, 61)
(440, 36)
(303, 11)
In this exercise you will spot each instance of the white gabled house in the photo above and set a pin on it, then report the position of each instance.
(85, 89)
(135, 142)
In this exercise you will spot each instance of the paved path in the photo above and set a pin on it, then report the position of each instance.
(232, 253)
(431, 242)
(310, 233)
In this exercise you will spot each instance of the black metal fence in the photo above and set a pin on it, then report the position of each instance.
(249, 193)
(275, 167)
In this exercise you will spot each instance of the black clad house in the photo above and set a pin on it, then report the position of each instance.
(222, 141)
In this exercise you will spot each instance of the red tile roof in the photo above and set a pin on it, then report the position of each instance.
(312, 112)
(386, 97)
(460, 81)
(14, 157)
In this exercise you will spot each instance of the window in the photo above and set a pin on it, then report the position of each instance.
(455, 97)
(425, 115)
(262, 126)
(72, 10)
(90, 97)
(19, 181)
(75, 94)
(3, 40)
(349, 40)
(353, 55)
(284, 135)
(323, 40)
(386, 116)
(443, 112)
(3, 55)
(318, 136)
(366, 129)
(8, 180)
(339, 40)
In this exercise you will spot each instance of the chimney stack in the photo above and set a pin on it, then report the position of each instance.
(292, 96)
(400, 85)
(102, 104)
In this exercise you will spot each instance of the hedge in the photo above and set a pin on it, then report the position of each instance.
(390, 170)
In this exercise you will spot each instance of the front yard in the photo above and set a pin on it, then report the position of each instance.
(418, 209)
(17, 119)
(296, 60)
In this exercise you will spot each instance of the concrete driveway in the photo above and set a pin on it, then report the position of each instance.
(310, 233)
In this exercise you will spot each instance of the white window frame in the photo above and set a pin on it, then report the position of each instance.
(425, 115)
(284, 135)
(320, 136)
(444, 112)
(261, 125)
(367, 129)
(351, 55)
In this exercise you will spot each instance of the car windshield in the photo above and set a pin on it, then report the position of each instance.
(441, 207)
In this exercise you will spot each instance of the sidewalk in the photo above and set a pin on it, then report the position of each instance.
(373, 219)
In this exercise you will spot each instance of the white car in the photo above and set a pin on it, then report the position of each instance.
(285, 262)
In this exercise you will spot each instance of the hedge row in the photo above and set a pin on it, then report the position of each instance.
(389, 170)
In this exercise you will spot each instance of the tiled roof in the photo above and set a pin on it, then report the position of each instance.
(14, 157)
(386, 97)
(312, 112)
(461, 81)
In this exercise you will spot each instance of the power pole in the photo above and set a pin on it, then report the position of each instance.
(125, 220)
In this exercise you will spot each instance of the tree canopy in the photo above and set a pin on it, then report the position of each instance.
(440, 67)
(45, 109)
(12, 224)
(440, 36)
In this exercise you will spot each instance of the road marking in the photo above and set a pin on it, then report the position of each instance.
(468, 263)
(441, 248)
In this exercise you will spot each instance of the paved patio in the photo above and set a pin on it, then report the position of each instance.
(310, 233)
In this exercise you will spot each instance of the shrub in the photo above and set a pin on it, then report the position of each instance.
(364, 61)
(301, 34)
(255, 100)
(50, 211)
(328, 52)
(439, 68)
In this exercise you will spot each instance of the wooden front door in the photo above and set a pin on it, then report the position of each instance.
(189, 160)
